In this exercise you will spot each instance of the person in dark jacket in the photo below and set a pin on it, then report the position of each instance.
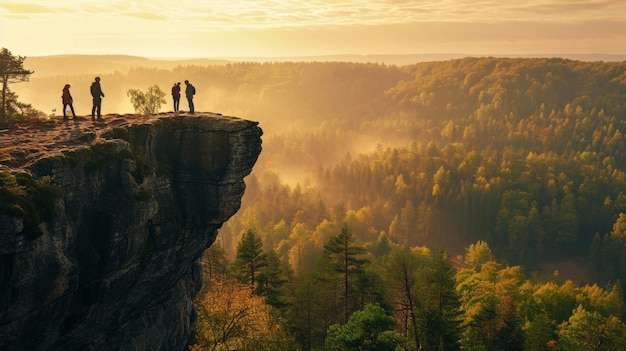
(176, 96)
(97, 94)
(190, 91)
(67, 101)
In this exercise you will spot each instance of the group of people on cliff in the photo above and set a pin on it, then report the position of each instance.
(97, 95)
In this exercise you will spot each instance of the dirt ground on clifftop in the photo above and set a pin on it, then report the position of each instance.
(27, 141)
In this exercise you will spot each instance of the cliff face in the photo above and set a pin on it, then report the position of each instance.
(122, 215)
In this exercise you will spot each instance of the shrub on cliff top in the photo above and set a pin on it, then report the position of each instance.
(149, 102)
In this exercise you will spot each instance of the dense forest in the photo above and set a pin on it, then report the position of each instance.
(423, 205)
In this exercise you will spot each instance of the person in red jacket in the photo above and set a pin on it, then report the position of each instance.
(176, 95)
(67, 101)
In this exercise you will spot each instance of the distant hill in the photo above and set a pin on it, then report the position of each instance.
(401, 60)
(101, 64)
(44, 66)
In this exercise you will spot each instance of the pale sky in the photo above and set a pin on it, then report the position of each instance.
(240, 28)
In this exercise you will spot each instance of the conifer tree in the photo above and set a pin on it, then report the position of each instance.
(402, 265)
(345, 259)
(441, 311)
(272, 279)
(367, 329)
(250, 259)
(312, 309)
(11, 71)
(214, 263)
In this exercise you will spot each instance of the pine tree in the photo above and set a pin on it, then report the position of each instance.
(441, 306)
(367, 329)
(402, 265)
(272, 279)
(11, 71)
(345, 259)
(250, 259)
(214, 263)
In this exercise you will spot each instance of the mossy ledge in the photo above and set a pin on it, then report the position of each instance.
(31, 200)
(101, 235)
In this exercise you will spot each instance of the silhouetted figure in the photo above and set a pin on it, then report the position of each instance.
(67, 101)
(97, 94)
(190, 91)
(176, 96)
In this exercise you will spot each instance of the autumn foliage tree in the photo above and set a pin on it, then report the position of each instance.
(590, 330)
(230, 317)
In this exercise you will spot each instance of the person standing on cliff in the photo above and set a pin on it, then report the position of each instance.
(97, 94)
(67, 101)
(190, 91)
(176, 96)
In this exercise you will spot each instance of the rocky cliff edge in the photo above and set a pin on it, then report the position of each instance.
(102, 226)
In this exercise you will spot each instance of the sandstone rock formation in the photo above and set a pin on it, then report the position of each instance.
(102, 227)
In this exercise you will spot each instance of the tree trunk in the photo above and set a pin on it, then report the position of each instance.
(4, 97)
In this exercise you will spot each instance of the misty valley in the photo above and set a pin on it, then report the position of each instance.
(466, 204)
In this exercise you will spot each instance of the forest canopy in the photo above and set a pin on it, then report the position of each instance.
(522, 153)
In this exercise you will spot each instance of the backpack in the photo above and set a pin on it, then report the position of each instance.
(193, 90)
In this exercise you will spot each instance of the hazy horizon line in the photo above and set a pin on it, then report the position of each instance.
(326, 57)
(343, 55)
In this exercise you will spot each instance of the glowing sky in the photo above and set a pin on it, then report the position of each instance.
(219, 28)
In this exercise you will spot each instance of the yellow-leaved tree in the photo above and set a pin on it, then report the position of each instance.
(149, 102)
(231, 317)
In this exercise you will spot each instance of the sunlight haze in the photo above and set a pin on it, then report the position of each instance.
(230, 28)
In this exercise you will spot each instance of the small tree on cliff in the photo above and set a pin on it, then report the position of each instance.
(149, 102)
(11, 71)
